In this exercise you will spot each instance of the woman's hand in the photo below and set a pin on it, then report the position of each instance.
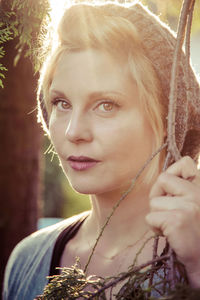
(175, 212)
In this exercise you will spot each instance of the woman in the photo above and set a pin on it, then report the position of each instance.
(105, 94)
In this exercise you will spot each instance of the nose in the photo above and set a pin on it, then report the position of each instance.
(78, 128)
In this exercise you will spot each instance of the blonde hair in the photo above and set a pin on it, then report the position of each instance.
(104, 27)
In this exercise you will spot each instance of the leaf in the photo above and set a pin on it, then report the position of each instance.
(17, 58)
(1, 84)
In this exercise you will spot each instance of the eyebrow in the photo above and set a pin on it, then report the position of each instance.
(96, 94)
(103, 93)
(57, 93)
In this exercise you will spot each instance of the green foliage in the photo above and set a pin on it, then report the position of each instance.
(30, 18)
(23, 21)
(7, 32)
(2, 76)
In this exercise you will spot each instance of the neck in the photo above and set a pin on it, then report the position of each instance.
(127, 221)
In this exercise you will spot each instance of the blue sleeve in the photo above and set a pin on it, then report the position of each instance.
(28, 266)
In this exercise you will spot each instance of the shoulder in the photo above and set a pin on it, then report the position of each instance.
(29, 263)
(46, 237)
(42, 240)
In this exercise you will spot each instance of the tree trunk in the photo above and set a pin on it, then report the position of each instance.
(19, 154)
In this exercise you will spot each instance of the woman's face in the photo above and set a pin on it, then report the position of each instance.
(97, 124)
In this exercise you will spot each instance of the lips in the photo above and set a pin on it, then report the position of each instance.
(81, 163)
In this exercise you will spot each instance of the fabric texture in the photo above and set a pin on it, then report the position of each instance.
(35, 258)
(29, 264)
(159, 43)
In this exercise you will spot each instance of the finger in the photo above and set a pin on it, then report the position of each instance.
(185, 168)
(170, 184)
(158, 221)
(169, 223)
(182, 233)
(168, 203)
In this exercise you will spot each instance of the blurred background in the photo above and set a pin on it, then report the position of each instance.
(32, 184)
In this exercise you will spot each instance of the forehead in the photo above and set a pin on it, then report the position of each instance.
(90, 67)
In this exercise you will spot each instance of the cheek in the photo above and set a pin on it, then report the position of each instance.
(127, 145)
(54, 128)
(131, 131)
(138, 142)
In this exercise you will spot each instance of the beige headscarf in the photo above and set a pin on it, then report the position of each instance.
(159, 42)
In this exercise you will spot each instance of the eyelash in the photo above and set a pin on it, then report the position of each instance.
(113, 102)
(56, 101)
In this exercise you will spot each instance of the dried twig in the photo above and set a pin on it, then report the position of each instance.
(155, 255)
(128, 274)
(120, 200)
(187, 48)
(184, 21)
(172, 147)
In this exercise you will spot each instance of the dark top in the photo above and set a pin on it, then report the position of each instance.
(64, 237)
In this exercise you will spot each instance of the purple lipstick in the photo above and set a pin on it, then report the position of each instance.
(81, 163)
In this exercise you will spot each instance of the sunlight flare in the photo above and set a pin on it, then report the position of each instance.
(57, 8)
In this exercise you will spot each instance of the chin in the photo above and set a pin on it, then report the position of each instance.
(85, 190)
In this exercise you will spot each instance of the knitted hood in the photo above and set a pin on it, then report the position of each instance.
(159, 43)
